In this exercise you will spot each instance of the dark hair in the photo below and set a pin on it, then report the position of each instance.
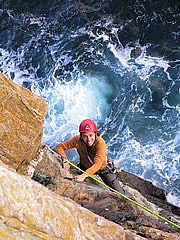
(98, 133)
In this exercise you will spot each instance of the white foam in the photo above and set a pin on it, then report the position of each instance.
(9, 61)
(87, 97)
(171, 198)
(74, 101)
(142, 65)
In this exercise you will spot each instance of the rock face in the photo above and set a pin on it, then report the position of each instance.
(29, 210)
(21, 123)
(103, 202)
(34, 212)
(59, 208)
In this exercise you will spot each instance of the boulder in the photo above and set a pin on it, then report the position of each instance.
(21, 123)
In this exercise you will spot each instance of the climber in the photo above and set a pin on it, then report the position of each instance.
(93, 159)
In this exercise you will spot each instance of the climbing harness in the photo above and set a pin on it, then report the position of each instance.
(110, 168)
(61, 158)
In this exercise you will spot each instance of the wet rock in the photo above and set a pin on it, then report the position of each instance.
(135, 52)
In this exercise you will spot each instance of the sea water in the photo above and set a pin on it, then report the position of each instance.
(80, 58)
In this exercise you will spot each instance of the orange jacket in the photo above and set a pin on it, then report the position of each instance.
(97, 153)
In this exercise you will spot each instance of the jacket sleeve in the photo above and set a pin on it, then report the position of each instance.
(99, 158)
(66, 145)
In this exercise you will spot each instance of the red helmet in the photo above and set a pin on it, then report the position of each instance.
(87, 125)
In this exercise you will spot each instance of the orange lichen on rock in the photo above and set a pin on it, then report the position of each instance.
(22, 116)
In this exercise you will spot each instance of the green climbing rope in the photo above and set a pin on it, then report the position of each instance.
(129, 199)
(122, 195)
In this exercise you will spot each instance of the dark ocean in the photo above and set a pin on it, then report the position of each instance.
(116, 62)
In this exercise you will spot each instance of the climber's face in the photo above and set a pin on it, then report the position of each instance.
(89, 138)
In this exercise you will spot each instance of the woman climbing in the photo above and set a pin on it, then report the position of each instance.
(93, 159)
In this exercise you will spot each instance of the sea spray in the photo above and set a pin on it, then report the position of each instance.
(85, 64)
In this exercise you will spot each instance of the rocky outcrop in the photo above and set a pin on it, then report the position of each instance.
(60, 208)
(21, 123)
(29, 210)
(103, 202)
